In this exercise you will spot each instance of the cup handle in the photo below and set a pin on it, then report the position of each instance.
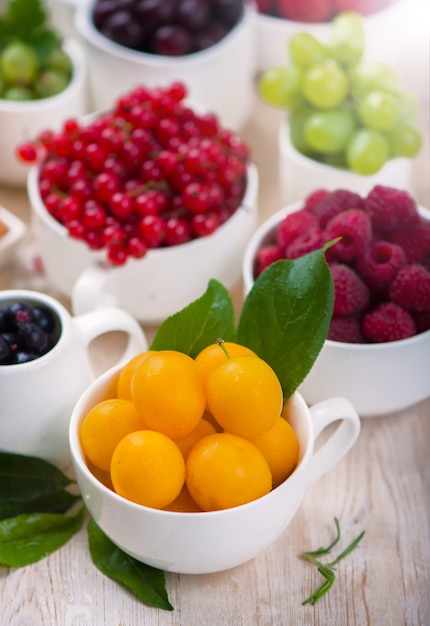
(112, 319)
(342, 439)
(89, 291)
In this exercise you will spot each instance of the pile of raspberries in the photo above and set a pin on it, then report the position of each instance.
(380, 266)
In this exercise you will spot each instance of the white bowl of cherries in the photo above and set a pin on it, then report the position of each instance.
(378, 344)
(207, 45)
(142, 205)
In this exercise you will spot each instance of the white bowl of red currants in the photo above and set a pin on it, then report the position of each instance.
(208, 46)
(142, 205)
(378, 342)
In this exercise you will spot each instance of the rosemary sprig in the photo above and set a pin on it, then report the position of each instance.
(327, 570)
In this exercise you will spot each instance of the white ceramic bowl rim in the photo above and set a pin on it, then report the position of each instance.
(84, 25)
(79, 459)
(76, 54)
(199, 242)
(264, 234)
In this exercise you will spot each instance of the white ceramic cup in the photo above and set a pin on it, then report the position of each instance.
(152, 288)
(37, 397)
(200, 543)
(300, 175)
(22, 121)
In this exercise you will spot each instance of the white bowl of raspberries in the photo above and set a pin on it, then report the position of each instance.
(207, 45)
(141, 205)
(378, 344)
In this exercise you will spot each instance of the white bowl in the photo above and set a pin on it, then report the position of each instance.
(151, 288)
(22, 121)
(15, 231)
(203, 542)
(220, 77)
(376, 378)
(299, 175)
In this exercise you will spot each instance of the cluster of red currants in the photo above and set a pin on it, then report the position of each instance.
(150, 173)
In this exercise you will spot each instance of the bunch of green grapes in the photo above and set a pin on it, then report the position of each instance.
(344, 111)
(24, 77)
(33, 63)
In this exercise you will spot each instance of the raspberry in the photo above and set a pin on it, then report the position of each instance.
(388, 322)
(390, 208)
(266, 256)
(346, 328)
(354, 226)
(314, 198)
(311, 240)
(335, 202)
(414, 239)
(293, 225)
(411, 288)
(380, 263)
(351, 295)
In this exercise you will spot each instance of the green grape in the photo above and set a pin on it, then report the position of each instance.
(405, 140)
(347, 38)
(50, 83)
(371, 75)
(408, 105)
(280, 86)
(18, 64)
(367, 151)
(379, 110)
(325, 85)
(59, 61)
(297, 121)
(18, 94)
(305, 50)
(329, 131)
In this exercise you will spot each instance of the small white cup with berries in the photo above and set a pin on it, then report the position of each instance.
(377, 351)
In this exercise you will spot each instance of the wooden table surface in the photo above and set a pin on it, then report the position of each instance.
(382, 487)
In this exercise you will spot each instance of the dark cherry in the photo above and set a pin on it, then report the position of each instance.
(194, 15)
(191, 25)
(171, 41)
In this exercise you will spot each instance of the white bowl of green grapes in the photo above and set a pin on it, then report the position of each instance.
(349, 121)
(42, 81)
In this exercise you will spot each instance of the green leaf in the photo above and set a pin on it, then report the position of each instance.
(26, 539)
(32, 485)
(146, 582)
(198, 324)
(286, 316)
